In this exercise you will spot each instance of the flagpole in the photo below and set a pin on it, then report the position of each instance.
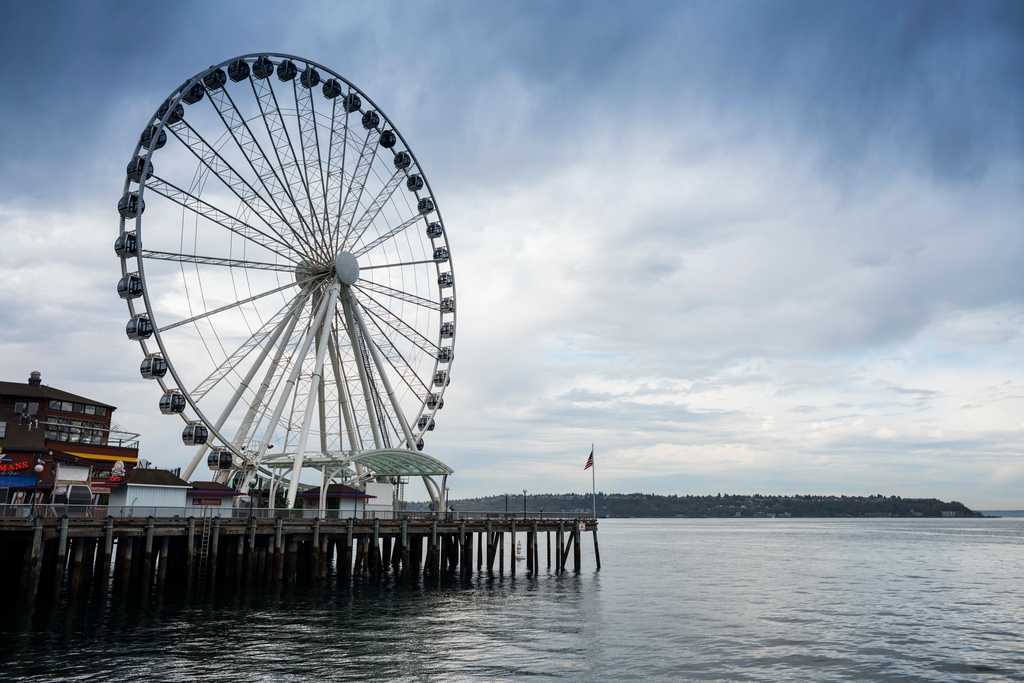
(593, 482)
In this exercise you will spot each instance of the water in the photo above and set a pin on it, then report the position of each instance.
(677, 600)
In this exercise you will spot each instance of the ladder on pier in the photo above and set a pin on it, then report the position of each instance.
(204, 551)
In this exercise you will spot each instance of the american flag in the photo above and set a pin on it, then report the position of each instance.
(590, 460)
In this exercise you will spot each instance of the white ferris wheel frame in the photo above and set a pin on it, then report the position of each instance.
(332, 293)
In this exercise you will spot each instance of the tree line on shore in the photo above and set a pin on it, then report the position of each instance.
(720, 505)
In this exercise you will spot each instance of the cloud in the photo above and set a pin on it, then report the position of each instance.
(668, 222)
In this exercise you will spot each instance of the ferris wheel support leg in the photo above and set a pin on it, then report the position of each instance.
(354, 441)
(323, 493)
(375, 355)
(435, 495)
(346, 304)
(264, 352)
(300, 452)
(290, 384)
(250, 414)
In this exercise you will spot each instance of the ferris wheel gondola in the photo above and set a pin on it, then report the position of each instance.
(288, 277)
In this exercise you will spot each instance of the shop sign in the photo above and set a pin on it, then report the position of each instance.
(206, 501)
(13, 466)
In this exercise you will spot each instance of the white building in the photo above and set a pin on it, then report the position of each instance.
(146, 492)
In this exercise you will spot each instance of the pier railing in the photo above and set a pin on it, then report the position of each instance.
(101, 512)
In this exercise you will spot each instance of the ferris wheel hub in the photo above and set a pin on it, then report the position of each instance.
(346, 267)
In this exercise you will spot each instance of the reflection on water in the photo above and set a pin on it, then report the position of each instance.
(743, 600)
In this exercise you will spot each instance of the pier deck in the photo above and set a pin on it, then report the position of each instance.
(65, 554)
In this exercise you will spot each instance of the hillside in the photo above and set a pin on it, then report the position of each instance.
(721, 505)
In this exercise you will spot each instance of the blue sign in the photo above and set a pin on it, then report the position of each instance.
(18, 481)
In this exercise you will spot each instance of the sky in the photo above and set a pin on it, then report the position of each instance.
(739, 247)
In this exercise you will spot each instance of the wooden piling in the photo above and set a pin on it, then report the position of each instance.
(103, 575)
(161, 574)
(190, 551)
(314, 569)
(512, 549)
(597, 549)
(406, 551)
(278, 551)
(533, 549)
(249, 572)
(501, 552)
(569, 546)
(549, 549)
(576, 547)
(239, 558)
(211, 560)
(559, 547)
(346, 565)
(326, 550)
(62, 548)
(35, 559)
(375, 561)
(147, 555)
(75, 575)
(291, 549)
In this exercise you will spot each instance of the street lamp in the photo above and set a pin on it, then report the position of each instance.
(524, 505)
(38, 469)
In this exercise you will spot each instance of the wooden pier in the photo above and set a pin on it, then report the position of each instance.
(60, 555)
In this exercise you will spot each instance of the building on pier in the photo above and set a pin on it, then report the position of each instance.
(43, 425)
(348, 501)
(145, 492)
(211, 498)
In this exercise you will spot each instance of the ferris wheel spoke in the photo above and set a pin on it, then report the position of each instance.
(286, 392)
(381, 313)
(236, 304)
(213, 261)
(398, 229)
(398, 265)
(336, 149)
(358, 182)
(398, 361)
(309, 140)
(341, 387)
(321, 333)
(388, 389)
(274, 242)
(369, 394)
(231, 179)
(371, 286)
(288, 312)
(374, 208)
(286, 324)
(243, 136)
(285, 153)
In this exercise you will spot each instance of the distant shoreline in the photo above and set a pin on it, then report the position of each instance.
(723, 505)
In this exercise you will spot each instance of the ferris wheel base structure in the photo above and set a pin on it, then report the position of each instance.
(293, 302)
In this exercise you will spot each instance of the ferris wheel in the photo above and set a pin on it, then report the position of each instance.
(289, 279)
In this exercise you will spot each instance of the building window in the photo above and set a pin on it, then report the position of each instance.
(3, 429)
(101, 411)
(90, 410)
(67, 406)
(54, 405)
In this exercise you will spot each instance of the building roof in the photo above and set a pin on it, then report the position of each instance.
(153, 477)
(336, 491)
(43, 392)
(211, 488)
